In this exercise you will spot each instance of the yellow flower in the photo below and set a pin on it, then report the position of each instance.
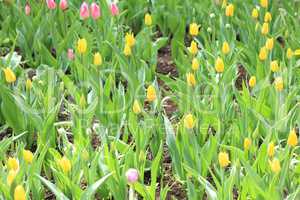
(10, 76)
(268, 17)
(12, 164)
(28, 84)
(219, 65)
(148, 19)
(225, 48)
(224, 159)
(97, 59)
(292, 139)
(11, 177)
(289, 53)
(275, 165)
(270, 43)
(194, 29)
(264, 3)
(274, 66)
(254, 13)
(252, 81)
(151, 93)
(190, 79)
(82, 45)
(263, 53)
(265, 28)
(271, 149)
(193, 48)
(19, 193)
(127, 50)
(229, 10)
(136, 107)
(297, 52)
(278, 84)
(247, 143)
(189, 121)
(195, 64)
(28, 156)
(65, 164)
(129, 39)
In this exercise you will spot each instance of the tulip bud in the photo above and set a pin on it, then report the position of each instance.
(264, 3)
(190, 79)
(51, 4)
(127, 50)
(225, 48)
(63, 4)
(219, 65)
(132, 176)
(28, 85)
(65, 164)
(252, 81)
(27, 156)
(11, 177)
(19, 193)
(255, 13)
(274, 66)
(95, 10)
(263, 53)
(289, 53)
(12, 164)
(223, 159)
(129, 39)
(271, 149)
(27, 9)
(151, 93)
(114, 9)
(193, 48)
(278, 84)
(189, 121)
(247, 143)
(275, 165)
(194, 29)
(136, 107)
(229, 10)
(97, 59)
(148, 19)
(292, 139)
(10, 77)
(270, 43)
(84, 11)
(195, 64)
(71, 54)
(265, 28)
(268, 17)
(82, 45)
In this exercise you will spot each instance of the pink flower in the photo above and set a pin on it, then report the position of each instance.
(70, 54)
(114, 9)
(84, 11)
(132, 175)
(51, 4)
(27, 9)
(63, 4)
(95, 10)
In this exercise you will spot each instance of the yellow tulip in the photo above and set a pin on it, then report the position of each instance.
(28, 84)
(136, 107)
(189, 121)
(148, 19)
(271, 149)
(97, 59)
(195, 64)
(265, 28)
(289, 53)
(193, 48)
(194, 29)
(255, 13)
(219, 65)
(263, 54)
(19, 193)
(10, 76)
(12, 164)
(274, 66)
(268, 17)
(190, 79)
(151, 93)
(27, 156)
(11, 177)
(65, 164)
(264, 3)
(127, 50)
(275, 165)
(229, 10)
(270, 43)
(252, 81)
(129, 39)
(247, 143)
(278, 84)
(297, 52)
(224, 159)
(82, 45)
(292, 139)
(225, 48)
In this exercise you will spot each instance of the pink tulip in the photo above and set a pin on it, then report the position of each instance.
(95, 10)
(84, 11)
(51, 4)
(63, 4)
(132, 175)
(114, 9)
(27, 9)
(71, 54)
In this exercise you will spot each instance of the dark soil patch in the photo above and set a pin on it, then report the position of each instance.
(243, 76)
